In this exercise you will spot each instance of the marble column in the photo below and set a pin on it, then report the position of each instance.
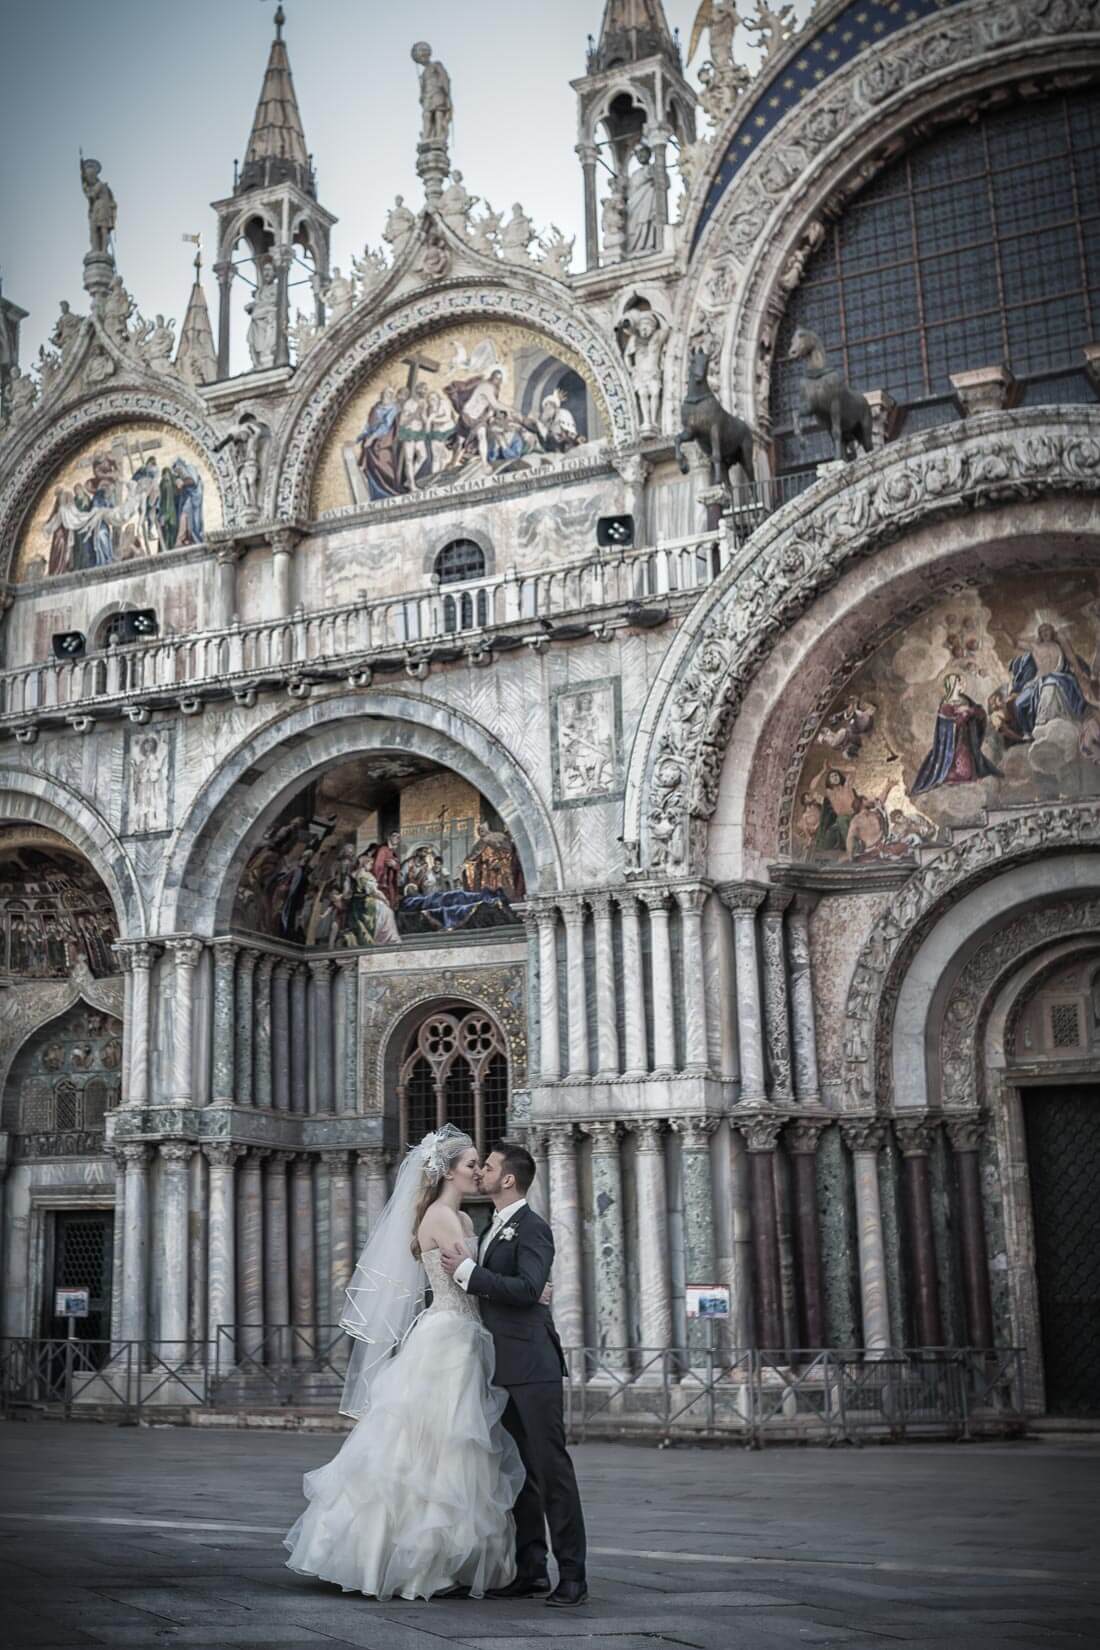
(691, 899)
(225, 612)
(807, 1086)
(635, 1052)
(198, 1215)
(914, 1136)
(549, 1034)
(700, 1256)
(654, 1295)
(589, 158)
(965, 1134)
(221, 1265)
(760, 1135)
(572, 910)
(341, 1258)
(224, 272)
(185, 954)
(250, 1260)
(610, 1248)
(276, 1256)
(607, 1029)
(299, 1039)
(777, 1028)
(246, 971)
(864, 1137)
(261, 1035)
(172, 1245)
(223, 1062)
(141, 963)
(282, 553)
(744, 901)
(321, 975)
(123, 958)
(280, 1035)
(349, 1082)
(539, 1195)
(802, 1137)
(655, 901)
(370, 1191)
(303, 1299)
(134, 1160)
(565, 1218)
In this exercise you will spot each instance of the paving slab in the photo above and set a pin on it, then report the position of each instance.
(144, 1539)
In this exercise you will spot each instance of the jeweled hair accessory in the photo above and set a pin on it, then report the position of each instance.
(439, 1148)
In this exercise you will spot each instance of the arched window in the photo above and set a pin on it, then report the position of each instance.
(457, 563)
(977, 248)
(455, 1070)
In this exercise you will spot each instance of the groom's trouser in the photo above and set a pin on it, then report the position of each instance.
(535, 1418)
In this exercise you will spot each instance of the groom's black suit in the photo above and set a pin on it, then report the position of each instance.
(530, 1366)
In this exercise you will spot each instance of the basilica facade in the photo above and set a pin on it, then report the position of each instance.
(642, 698)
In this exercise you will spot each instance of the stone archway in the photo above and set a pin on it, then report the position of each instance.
(210, 846)
(28, 797)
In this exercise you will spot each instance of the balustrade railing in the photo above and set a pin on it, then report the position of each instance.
(740, 1395)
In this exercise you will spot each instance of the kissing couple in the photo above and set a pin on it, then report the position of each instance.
(457, 1462)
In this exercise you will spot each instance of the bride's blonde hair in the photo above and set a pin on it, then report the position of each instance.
(440, 1151)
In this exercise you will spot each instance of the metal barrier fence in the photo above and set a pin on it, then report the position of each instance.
(746, 1396)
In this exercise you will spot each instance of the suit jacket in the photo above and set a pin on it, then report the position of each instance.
(508, 1285)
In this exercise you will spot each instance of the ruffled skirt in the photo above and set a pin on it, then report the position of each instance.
(419, 1498)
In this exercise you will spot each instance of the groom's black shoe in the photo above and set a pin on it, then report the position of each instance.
(453, 1592)
(522, 1587)
(569, 1592)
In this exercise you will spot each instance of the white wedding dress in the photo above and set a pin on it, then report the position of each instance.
(420, 1496)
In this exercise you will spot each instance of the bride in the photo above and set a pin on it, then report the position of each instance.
(418, 1500)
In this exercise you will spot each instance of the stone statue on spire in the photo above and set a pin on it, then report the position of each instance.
(436, 108)
(102, 210)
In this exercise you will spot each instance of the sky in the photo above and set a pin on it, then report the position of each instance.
(163, 94)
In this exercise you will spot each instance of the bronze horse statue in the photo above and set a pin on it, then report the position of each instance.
(823, 395)
(725, 439)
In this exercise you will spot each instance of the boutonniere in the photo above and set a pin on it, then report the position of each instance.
(506, 1234)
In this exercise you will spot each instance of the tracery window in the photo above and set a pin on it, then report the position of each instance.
(979, 247)
(455, 1070)
(457, 562)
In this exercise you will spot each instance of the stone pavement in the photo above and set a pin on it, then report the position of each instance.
(142, 1539)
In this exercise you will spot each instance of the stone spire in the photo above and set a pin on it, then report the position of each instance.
(632, 30)
(196, 358)
(277, 143)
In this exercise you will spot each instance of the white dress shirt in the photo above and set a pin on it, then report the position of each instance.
(500, 1220)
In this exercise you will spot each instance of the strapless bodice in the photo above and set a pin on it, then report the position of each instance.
(447, 1295)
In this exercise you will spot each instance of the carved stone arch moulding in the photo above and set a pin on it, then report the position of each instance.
(801, 551)
(962, 1026)
(43, 799)
(25, 1009)
(389, 1003)
(833, 142)
(916, 908)
(73, 425)
(332, 376)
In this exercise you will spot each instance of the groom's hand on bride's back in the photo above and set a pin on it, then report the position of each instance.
(452, 1257)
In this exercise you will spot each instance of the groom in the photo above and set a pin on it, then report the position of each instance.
(509, 1277)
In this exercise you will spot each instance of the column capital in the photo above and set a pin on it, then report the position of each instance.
(284, 540)
(571, 907)
(559, 1139)
(320, 970)
(347, 965)
(742, 898)
(186, 952)
(282, 968)
(177, 1151)
(302, 1164)
(604, 1134)
(626, 899)
(275, 1162)
(222, 1154)
(760, 1133)
(694, 1131)
(802, 1135)
(337, 1163)
(225, 951)
(600, 905)
(247, 959)
(542, 912)
(863, 1134)
(131, 1154)
(776, 901)
(965, 1131)
(915, 1135)
(140, 954)
(655, 900)
(691, 896)
(265, 963)
(650, 1133)
(587, 154)
(373, 1158)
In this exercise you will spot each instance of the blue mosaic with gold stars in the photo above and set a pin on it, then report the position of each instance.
(864, 23)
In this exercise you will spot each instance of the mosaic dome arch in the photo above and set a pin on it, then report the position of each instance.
(34, 799)
(339, 369)
(100, 417)
(751, 239)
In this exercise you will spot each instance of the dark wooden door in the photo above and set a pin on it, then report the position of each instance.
(82, 1254)
(1063, 1145)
